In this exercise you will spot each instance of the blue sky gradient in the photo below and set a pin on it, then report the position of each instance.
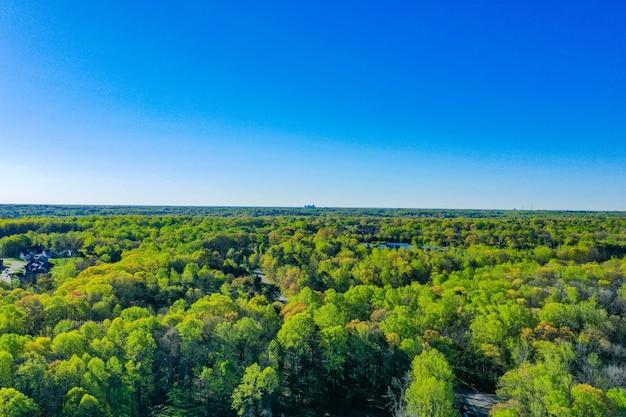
(454, 104)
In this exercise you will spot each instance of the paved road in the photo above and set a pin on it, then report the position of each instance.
(476, 404)
(12, 266)
(266, 281)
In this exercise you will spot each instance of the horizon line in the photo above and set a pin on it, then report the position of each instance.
(314, 207)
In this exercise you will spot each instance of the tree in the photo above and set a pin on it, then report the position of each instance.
(252, 398)
(430, 393)
(6, 368)
(589, 401)
(31, 378)
(297, 355)
(12, 246)
(139, 376)
(541, 389)
(191, 334)
(617, 397)
(506, 409)
(495, 334)
(68, 344)
(15, 404)
(79, 403)
(334, 344)
(215, 387)
(12, 319)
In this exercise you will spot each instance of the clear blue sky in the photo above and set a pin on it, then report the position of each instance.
(459, 104)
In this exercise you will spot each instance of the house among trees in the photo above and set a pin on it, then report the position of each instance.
(40, 264)
(36, 263)
(30, 255)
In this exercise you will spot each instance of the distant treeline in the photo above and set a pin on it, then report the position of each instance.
(33, 210)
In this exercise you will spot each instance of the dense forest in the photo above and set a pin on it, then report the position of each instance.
(259, 312)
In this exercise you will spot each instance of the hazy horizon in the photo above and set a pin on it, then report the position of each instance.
(314, 206)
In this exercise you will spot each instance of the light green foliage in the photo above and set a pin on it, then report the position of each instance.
(496, 331)
(617, 397)
(68, 344)
(162, 315)
(396, 267)
(65, 271)
(297, 331)
(335, 346)
(79, 403)
(12, 246)
(430, 393)
(251, 397)
(15, 404)
(588, 401)
(6, 368)
(507, 409)
(543, 388)
(329, 315)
